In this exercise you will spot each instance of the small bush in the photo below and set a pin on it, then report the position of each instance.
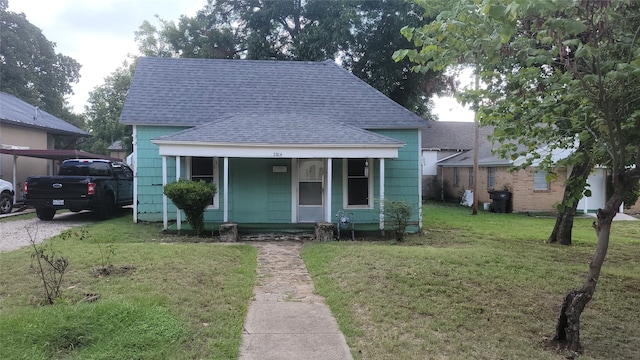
(398, 213)
(192, 197)
(48, 266)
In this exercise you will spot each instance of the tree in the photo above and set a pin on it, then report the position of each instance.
(572, 68)
(361, 34)
(31, 69)
(104, 109)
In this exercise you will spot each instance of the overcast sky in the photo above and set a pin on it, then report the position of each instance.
(99, 35)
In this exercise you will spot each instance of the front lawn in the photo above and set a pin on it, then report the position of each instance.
(175, 300)
(478, 287)
(470, 287)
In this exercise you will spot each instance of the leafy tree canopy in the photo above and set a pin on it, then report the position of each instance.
(361, 34)
(555, 73)
(31, 69)
(104, 109)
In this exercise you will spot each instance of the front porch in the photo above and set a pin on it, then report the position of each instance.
(281, 231)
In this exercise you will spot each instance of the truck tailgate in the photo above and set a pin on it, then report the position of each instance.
(58, 187)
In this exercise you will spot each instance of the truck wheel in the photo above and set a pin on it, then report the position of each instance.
(6, 203)
(45, 213)
(105, 210)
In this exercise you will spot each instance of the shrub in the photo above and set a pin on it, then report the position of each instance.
(398, 214)
(192, 197)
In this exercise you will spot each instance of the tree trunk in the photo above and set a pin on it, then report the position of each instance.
(568, 325)
(562, 231)
(576, 182)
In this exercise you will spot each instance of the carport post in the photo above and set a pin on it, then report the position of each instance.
(15, 182)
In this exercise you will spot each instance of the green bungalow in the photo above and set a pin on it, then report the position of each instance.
(284, 142)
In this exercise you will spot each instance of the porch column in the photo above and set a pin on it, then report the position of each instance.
(327, 216)
(134, 159)
(225, 189)
(165, 222)
(382, 195)
(178, 212)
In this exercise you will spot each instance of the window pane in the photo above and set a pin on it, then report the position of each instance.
(356, 167)
(540, 181)
(358, 191)
(201, 166)
(491, 177)
(310, 193)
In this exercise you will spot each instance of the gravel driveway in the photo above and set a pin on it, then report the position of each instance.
(14, 234)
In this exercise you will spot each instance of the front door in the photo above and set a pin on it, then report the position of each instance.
(311, 174)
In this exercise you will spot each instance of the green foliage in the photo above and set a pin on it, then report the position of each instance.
(554, 73)
(398, 214)
(192, 197)
(103, 112)
(31, 69)
(363, 34)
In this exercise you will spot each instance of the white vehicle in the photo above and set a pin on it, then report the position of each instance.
(6, 197)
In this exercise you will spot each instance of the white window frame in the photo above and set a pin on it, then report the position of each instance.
(470, 177)
(456, 176)
(491, 177)
(345, 185)
(537, 181)
(216, 180)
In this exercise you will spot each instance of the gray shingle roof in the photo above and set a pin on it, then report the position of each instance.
(21, 113)
(448, 135)
(191, 92)
(291, 129)
(485, 156)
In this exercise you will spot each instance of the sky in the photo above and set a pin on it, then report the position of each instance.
(99, 35)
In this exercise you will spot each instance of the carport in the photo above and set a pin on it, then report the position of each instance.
(54, 154)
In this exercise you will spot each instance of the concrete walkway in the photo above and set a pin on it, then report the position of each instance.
(286, 320)
(618, 217)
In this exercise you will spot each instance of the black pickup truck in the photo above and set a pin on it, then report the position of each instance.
(81, 184)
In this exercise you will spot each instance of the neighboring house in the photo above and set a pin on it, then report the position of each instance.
(24, 127)
(284, 142)
(442, 140)
(530, 188)
(116, 150)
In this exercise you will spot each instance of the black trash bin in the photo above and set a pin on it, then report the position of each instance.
(501, 201)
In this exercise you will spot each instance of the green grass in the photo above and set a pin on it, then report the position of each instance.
(178, 299)
(469, 287)
(478, 287)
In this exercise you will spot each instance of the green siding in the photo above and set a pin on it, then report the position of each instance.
(402, 176)
(258, 195)
(149, 172)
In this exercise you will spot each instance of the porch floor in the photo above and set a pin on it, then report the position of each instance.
(293, 230)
